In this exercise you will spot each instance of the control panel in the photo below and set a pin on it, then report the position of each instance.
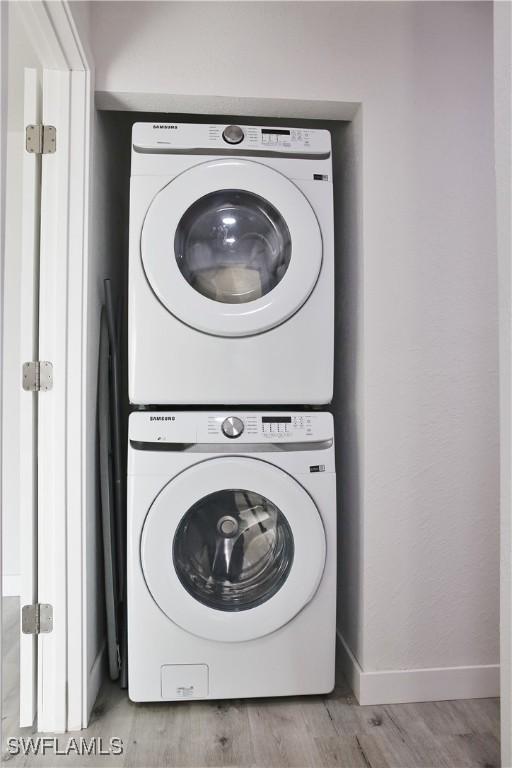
(278, 426)
(230, 427)
(263, 427)
(181, 137)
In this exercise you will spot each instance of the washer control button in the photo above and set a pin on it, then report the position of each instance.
(233, 134)
(232, 426)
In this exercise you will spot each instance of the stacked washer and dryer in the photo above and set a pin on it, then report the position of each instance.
(231, 500)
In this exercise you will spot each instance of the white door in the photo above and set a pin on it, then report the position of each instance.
(29, 320)
(43, 652)
(231, 247)
(55, 686)
(232, 549)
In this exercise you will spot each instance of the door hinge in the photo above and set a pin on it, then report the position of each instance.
(37, 376)
(36, 619)
(41, 139)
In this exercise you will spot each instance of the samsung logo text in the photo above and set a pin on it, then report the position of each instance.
(162, 418)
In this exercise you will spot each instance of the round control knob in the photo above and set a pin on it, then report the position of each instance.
(232, 426)
(233, 134)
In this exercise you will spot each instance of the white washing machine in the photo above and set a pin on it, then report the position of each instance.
(231, 555)
(231, 287)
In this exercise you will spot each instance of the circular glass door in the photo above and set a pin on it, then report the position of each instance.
(232, 549)
(231, 247)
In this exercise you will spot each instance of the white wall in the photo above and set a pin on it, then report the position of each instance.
(503, 132)
(80, 11)
(421, 467)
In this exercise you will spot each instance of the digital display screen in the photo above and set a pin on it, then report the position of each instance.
(276, 419)
(275, 131)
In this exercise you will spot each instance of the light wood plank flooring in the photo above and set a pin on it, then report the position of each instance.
(304, 732)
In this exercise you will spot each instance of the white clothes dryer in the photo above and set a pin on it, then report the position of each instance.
(231, 285)
(231, 555)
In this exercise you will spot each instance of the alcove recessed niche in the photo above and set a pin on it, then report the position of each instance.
(115, 115)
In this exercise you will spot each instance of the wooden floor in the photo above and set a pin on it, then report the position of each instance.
(302, 732)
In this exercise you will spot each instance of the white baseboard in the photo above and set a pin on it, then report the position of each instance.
(11, 583)
(95, 679)
(401, 686)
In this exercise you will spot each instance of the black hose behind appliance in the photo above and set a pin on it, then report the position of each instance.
(113, 502)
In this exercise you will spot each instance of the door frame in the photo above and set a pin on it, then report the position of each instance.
(63, 700)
